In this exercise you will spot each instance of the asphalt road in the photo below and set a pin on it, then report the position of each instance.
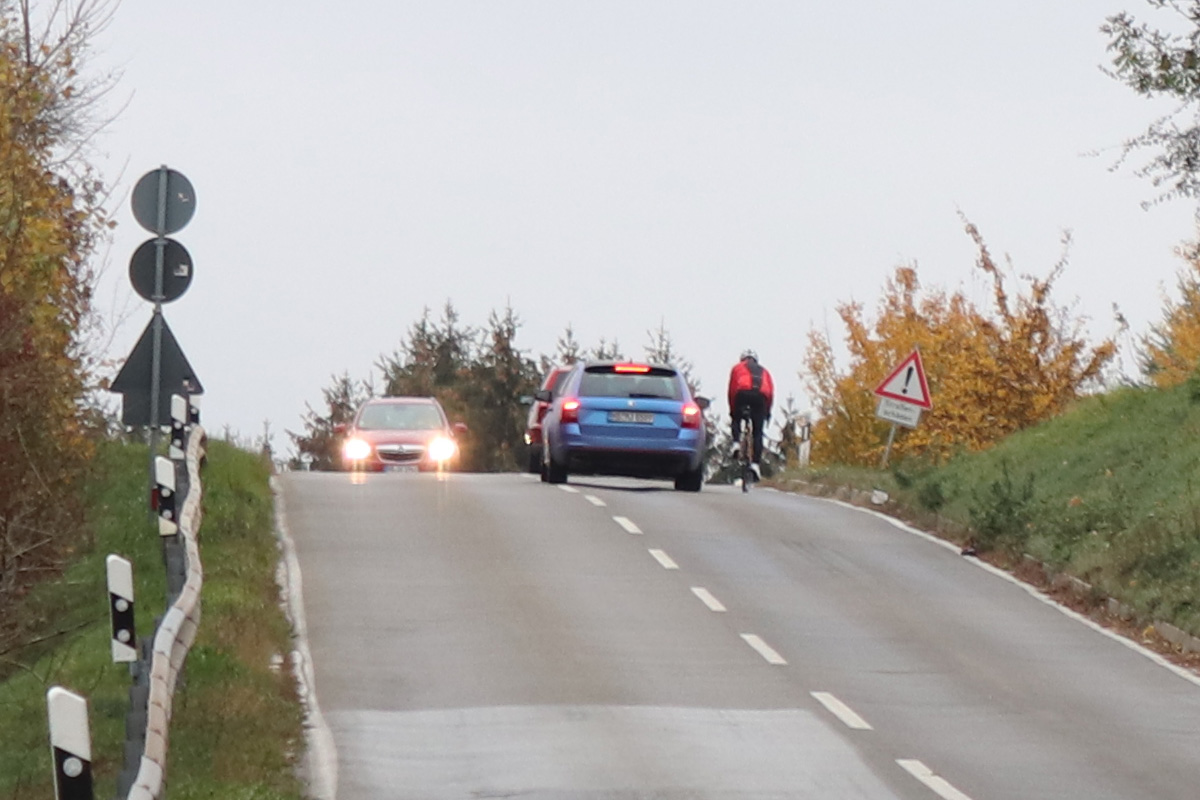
(479, 636)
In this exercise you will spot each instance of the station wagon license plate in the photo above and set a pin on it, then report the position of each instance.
(400, 468)
(637, 417)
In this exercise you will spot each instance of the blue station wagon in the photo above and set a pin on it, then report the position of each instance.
(627, 419)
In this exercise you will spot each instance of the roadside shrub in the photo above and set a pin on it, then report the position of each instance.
(1001, 513)
(931, 496)
(1193, 385)
(1157, 563)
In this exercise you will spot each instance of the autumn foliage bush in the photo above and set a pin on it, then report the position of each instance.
(1171, 350)
(50, 222)
(990, 373)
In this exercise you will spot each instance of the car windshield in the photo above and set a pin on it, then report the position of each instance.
(400, 417)
(605, 383)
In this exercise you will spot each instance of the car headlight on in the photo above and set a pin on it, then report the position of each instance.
(356, 449)
(442, 449)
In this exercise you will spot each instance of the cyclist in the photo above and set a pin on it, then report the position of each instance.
(751, 387)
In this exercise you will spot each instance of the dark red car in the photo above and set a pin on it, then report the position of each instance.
(400, 434)
(537, 409)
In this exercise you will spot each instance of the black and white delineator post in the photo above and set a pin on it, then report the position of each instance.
(180, 411)
(120, 609)
(163, 500)
(193, 409)
(70, 744)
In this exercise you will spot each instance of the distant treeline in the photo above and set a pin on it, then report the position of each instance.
(480, 376)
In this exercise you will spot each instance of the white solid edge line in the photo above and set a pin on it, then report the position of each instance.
(321, 756)
(763, 649)
(707, 598)
(842, 711)
(596, 501)
(925, 775)
(1030, 590)
(568, 489)
(627, 524)
(662, 558)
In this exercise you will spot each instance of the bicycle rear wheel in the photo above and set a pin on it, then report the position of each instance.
(747, 447)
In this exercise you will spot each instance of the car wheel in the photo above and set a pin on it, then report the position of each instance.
(690, 481)
(535, 460)
(555, 472)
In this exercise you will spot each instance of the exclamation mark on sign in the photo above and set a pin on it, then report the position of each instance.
(907, 380)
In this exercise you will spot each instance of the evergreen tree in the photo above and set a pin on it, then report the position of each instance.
(500, 375)
(567, 351)
(321, 440)
(661, 350)
(431, 360)
(606, 351)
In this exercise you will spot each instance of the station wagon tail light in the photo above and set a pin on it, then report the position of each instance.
(570, 410)
(637, 368)
(691, 415)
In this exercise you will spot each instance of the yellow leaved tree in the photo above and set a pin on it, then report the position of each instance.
(1171, 351)
(990, 374)
(50, 222)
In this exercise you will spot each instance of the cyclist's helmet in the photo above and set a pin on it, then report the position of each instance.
(748, 353)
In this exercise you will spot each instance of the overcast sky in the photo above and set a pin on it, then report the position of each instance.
(613, 166)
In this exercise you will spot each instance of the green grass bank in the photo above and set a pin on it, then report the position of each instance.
(1108, 492)
(237, 722)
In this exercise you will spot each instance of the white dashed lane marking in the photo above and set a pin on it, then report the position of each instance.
(596, 501)
(627, 524)
(925, 775)
(842, 711)
(707, 598)
(763, 649)
(664, 559)
(568, 489)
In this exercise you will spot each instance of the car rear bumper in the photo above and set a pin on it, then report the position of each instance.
(632, 457)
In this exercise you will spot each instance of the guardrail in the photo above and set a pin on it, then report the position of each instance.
(156, 665)
(172, 640)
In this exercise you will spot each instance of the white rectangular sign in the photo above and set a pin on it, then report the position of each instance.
(905, 414)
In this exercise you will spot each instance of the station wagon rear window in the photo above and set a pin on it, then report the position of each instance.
(613, 381)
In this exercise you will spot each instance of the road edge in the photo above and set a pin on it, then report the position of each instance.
(319, 767)
(1033, 591)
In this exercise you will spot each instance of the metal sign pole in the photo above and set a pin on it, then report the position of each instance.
(156, 357)
(887, 451)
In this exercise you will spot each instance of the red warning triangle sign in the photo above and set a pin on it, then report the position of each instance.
(907, 383)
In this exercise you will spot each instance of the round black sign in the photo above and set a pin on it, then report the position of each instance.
(178, 200)
(177, 270)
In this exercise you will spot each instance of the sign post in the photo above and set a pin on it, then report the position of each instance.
(903, 394)
(163, 202)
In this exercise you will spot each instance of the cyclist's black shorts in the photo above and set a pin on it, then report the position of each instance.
(756, 402)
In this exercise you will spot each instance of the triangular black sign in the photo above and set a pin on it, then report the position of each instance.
(176, 376)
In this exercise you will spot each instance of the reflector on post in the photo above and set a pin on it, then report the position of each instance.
(120, 609)
(164, 495)
(70, 744)
(193, 409)
(179, 421)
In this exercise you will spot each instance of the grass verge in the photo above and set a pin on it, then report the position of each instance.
(237, 724)
(1108, 492)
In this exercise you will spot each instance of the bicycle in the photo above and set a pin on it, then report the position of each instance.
(746, 449)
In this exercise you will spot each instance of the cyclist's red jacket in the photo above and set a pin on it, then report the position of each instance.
(749, 374)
